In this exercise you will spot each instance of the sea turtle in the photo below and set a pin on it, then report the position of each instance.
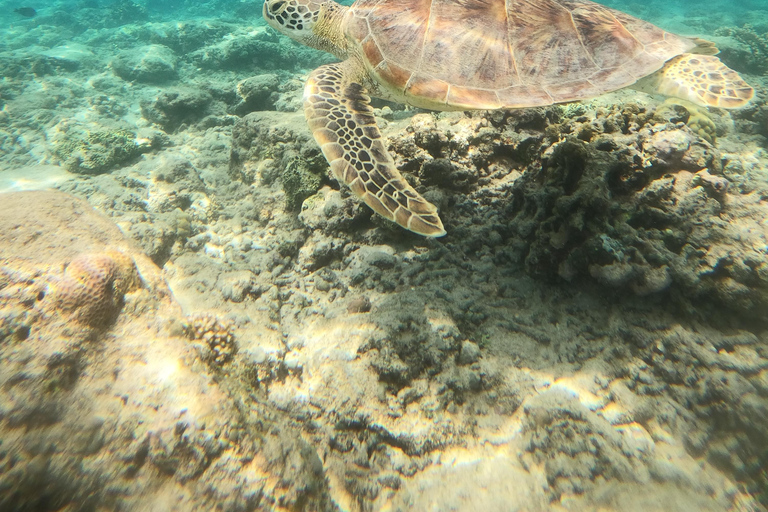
(475, 54)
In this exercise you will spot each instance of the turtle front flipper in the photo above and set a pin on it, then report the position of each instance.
(700, 79)
(341, 119)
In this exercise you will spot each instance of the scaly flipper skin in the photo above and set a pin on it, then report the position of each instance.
(703, 80)
(339, 114)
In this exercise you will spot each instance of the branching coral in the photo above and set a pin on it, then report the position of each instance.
(217, 334)
(756, 43)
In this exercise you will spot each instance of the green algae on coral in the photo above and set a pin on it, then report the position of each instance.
(300, 181)
(98, 152)
(757, 44)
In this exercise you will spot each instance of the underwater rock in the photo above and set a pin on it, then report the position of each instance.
(328, 210)
(301, 179)
(267, 146)
(678, 150)
(257, 93)
(150, 64)
(27, 12)
(173, 108)
(561, 432)
(630, 198)
(158, 239)
(359, 305)
(98, 152)
(470, 352)
(258, 48)
(122, 12)
(125, 403)
(70, 56)
(290, 97)
(108, 107)
(236, 286)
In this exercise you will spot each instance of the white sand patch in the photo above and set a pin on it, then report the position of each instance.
(33, 177)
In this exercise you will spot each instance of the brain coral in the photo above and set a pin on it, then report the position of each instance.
(93, 285)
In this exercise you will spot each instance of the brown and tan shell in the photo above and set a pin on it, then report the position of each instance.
(504, 53)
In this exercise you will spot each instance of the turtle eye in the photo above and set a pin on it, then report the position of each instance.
(276, 7)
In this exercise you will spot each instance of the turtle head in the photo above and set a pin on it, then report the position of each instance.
(310, 22)
(294, 18)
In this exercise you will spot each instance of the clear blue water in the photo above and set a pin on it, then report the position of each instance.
(716, 12)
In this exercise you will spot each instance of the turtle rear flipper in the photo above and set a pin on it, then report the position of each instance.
(700, 79)
(341, 119)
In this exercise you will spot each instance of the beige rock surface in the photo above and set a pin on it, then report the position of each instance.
(116, 411)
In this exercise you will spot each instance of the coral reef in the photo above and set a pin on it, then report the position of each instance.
(258, 48)
(257, 93)
(92, 287)
(592, 328)
(98, 152)
(609, 194)
(126, 408)
(564, 268)
(269, 146)
(176, 107)
(151, 64)
(756, 61)
(631, 201)
(218, 336)
(300, 180)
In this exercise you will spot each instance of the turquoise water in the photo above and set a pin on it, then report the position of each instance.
(199, 312)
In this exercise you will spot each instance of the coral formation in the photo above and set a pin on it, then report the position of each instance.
(122, 407)
(173, 108)
(257, 93)
(631, 203)
(98, 152)
(92, 287)
(592, 328)
(218, 336)
(258, 48)
(150, 64)
(615, 194)
(300, 180)
(756, 61)
(696, 118)
(270, 147)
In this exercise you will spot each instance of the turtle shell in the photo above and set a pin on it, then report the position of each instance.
(484, 54)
